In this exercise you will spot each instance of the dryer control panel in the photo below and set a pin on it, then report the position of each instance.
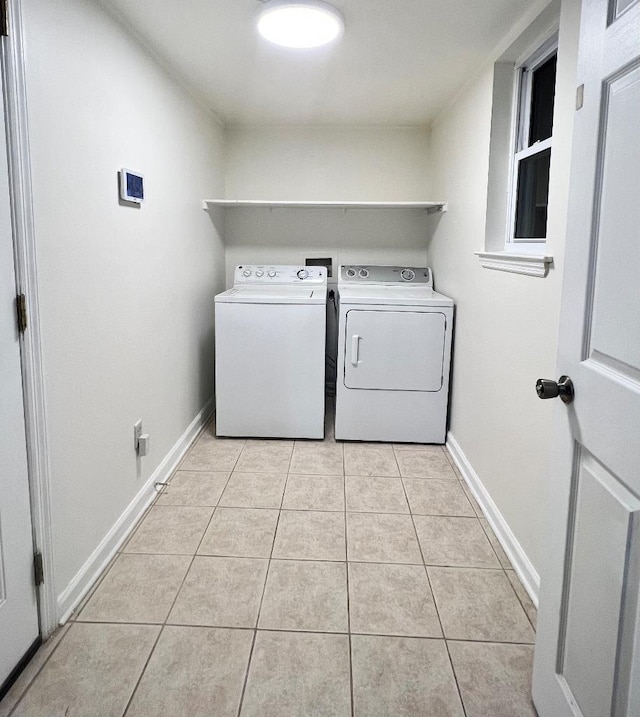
(387, 275)
(280, 274)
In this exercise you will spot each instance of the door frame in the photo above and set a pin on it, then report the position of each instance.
(24, 241)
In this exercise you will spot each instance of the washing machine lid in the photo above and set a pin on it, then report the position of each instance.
(273, 294)
(403, 295)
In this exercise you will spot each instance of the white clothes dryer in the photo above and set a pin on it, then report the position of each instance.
(394, 355)
(270, 353)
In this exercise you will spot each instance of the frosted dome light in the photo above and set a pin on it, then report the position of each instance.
(299, 24)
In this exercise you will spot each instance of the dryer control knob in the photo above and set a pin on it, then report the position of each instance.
(303, 274)
(259, 273)
(246, 272)
(351, 273)
(364, 273)
(408, 274)
(271, 273)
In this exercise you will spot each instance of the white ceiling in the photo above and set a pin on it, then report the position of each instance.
(398, 63)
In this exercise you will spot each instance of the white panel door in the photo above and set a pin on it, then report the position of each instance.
(18, 607)
(394, 350)
(588, 646)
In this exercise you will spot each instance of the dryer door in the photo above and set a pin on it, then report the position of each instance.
(394, 350)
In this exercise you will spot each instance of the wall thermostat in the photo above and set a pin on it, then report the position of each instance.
(131, 186)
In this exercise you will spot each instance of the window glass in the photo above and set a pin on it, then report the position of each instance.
(533, 196)
(542, 95)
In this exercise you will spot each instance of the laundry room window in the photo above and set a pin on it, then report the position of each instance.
(529, 190)
(522, 109)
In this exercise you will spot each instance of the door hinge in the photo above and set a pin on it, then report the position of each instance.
(21, 308)
(4, 18)
(38, 569)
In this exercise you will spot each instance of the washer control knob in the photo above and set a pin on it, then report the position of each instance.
(246, 272)
(351, 273)
(271, 273)
(259, 273)
(408, 274)
(364, 273)
(303, 274)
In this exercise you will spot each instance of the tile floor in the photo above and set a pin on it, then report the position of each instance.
(297, 578)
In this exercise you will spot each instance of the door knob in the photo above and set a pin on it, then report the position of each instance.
(546, 388)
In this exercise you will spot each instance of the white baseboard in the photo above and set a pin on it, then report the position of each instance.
(84, 579)
(521, 563)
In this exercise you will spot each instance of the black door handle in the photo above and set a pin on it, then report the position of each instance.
(563, 387)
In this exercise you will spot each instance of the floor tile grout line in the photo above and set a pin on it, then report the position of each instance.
(83, 604)
(448, 566)
(174, 475)
(504, 570)
(449, 458)
(522, 605)
(350, 473)
(184, 577)
(193, 557)
(246, 673)
(317, 510)
(346, 553)
(144, 669)
(490, 642)
(136, 526)
(197, 470)
(480, 518)
(264, 589)
(435, 604)
(484, 530)
(498, 564)
(470, 497)
(35, 677)
(425, 570)
(360, 633)
(253, 640)
(207, 469)
(496, 570)
(446, 644)
(215, 510)
(455, 677)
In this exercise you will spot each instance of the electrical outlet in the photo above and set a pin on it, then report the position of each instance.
(143, 444)
(137, 432)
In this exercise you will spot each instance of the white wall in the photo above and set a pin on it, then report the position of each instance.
(288, 236)
(506, 324)
(126, 293)
(327, 163)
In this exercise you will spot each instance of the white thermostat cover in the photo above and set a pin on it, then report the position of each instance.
(131, 186)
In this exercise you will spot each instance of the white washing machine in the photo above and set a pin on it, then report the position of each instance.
(270, 353)
(394, 355)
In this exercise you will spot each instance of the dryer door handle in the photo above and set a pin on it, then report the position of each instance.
(355, 345)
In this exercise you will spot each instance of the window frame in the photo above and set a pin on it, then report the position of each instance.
(523, 87)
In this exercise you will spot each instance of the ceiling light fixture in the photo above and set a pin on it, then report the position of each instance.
(299, 24)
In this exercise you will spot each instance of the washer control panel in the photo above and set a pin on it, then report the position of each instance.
(356, 274)
(279, 274)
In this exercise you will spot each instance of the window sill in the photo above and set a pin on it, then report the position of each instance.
(528, 264)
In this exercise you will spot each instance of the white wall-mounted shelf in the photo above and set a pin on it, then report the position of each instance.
(430, 207)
